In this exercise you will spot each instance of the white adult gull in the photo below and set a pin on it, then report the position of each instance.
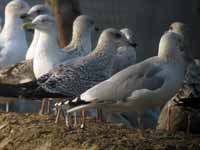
(13, 44)
(22, 72)
(146, 85)
(32, 14)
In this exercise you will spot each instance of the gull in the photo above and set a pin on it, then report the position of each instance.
(31, 14)
(145, 85)
(22, 72)
(126, 55)
(172, 116)
(49, 55)
(70, 79)
(13, 45)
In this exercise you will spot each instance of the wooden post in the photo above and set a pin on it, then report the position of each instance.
(65, 12)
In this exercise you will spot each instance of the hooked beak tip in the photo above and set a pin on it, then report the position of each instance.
(96, 29)
(134, 45)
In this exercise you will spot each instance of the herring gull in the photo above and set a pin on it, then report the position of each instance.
(172, 116)
(13, 44)
(70, 79)
(146, 85)
(126, 55)
(23, 71)
(31, 14)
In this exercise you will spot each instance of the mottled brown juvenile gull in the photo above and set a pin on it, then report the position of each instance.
(146, 85)
(13, 45)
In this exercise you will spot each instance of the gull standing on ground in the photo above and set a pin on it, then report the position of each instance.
(172, 116)
(13, 45)
(70, 79)
(48, 56)
(146, 85)
(126, 56)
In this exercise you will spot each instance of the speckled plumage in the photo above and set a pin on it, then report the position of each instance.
(79, 75)
(18, 73)
(183, 104)
(72, 78)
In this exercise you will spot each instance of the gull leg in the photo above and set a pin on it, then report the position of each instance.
(141, 124)
(67, 120)
(7, 106)
(75, 119)
(41, 112)
(188, 124)
(48, 106)
(58, 113)
(83, 119)
(99, 117)
(168, 117)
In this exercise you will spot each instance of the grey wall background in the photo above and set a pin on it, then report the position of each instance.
(148, 19)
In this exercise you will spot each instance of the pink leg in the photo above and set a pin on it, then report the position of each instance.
(168, 117)
(41, 112)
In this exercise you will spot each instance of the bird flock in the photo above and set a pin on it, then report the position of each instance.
(82, 77)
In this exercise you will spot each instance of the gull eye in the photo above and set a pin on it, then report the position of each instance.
(118, 35)
(44, 20)
(39, 11)
(170, 28)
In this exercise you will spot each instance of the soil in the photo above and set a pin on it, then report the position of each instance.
(35, 132)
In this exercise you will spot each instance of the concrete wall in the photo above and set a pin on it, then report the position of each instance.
(148, 19)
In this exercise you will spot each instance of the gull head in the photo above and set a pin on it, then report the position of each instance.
(112, 38)
(83, 23)
(183, 30)
(16, 8)
(35, 11)
(179, 28)
(171, 45)
(44, 23)
(129, 36)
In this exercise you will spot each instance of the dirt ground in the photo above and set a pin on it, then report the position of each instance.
(34, 132)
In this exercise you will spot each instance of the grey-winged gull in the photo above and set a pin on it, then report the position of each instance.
(126, 56)
(72, 78)
(146, 85)
(173, 117)
(13, 45)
